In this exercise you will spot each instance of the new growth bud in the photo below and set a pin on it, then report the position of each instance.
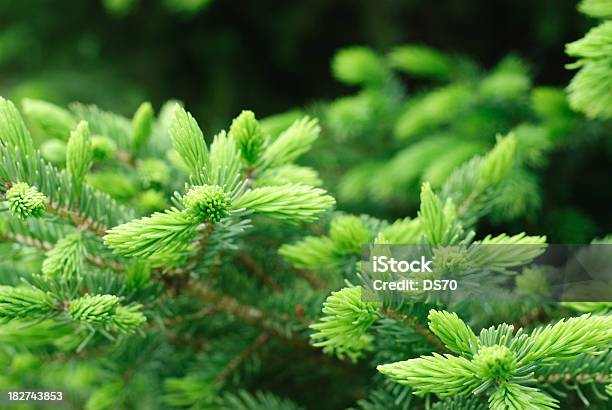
(207, 203)
(495, 362)
(25, 201)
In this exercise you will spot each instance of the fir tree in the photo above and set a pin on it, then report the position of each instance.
(146, 264)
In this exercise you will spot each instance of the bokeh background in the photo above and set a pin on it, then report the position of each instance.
(222, 56)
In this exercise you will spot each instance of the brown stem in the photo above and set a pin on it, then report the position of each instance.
(577, 378)
(27, 240)
(431, 338)
(78, 220)
(537, 314)
(246, 313)
(259, 272)
(46, 246)
(313, 280)
(467, 202)
(242, 356)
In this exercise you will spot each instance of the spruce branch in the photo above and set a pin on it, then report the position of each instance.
(142, 126)
(512, 396)
(13, 131)
(498, 162)
(79, 155)
(24, 303)
(291, 143)
(224, 167)
(162, 233)
(343, 329)
(291, 202)
(566, 339)
(77, 219)
(349, 234)
(439, 221)
(453, 332)
(418, 328)
(188, 140)
(503, 251)
(64, 259)
(589, 90)
(92, 210)
(445, 375)
(172, 231)
(312, 252)
(105, 311)
(248, 135)
(498, 362)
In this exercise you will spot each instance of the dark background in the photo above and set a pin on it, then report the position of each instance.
(264, 55)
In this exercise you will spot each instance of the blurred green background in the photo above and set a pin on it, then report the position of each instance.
(222, 56)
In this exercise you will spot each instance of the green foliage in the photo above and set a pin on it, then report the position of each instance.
(258, 401)
(52, 120)
(591, 87)
(429, 111)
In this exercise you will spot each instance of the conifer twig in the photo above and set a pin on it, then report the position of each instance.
(431, 338)
(46, 246)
